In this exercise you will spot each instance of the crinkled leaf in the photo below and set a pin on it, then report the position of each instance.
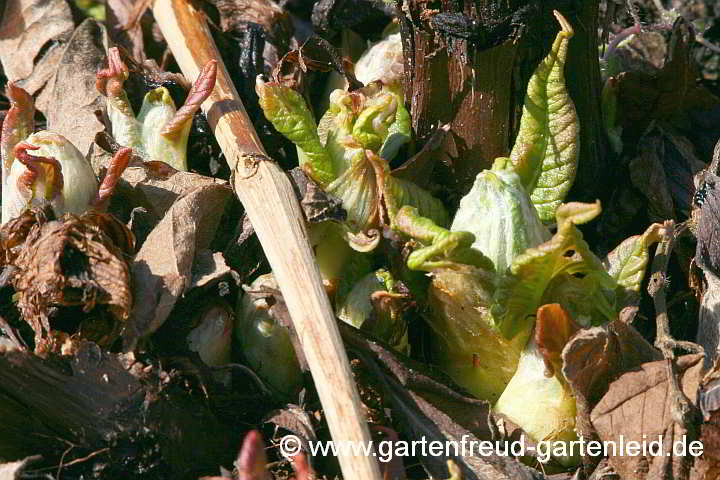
(382, 61)
(369, 195)
(566, 254)
(545, 151)
(399, 193)
(359, 189)
(287, 111)
(372, 118)
(398, 133)
(498, 211)
(441, 248)
(336, 124)
(627, 263)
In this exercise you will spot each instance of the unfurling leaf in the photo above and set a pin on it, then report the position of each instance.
(399, 193)
(551, 414)
(441, 248)
(287, 111)
(497, 210)
(45, 168)
(554, 267)
(382, 61)
(466, 343)
(55, 172)
(627, 263)
(546, 148)
(543, 406)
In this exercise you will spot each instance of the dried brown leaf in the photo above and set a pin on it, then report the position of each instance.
(163, 268)
(208, 268)
(119, 14)
(673, 90)
(73, 261)
(33, 35)
(156, 190)
(235, 14)
(594, 358)
(639, 407)
(70, 99)
(295, 420)
(648, 176)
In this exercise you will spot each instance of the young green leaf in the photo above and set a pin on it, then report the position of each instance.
(399, 193)
(537, 400)
(443, 248)
(609, 104)
(398, 132)
(627, 263)
(466, 343)
(360, 189)
(561, 260)
(287, 111)
(263, 336)
(126, 130)
(546, 148)
(498, 211)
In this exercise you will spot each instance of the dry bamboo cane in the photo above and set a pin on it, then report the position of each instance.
(267, 195)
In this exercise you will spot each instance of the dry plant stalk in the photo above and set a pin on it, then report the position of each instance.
(267, 195)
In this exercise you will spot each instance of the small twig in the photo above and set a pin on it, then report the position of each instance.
(249, 372)
(705, 43)
(682, 410)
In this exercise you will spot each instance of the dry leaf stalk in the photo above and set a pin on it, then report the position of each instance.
(683, 411)
(266, 192)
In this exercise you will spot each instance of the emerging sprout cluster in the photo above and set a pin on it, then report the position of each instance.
(45, 168)
(160, 131)
(507, 294)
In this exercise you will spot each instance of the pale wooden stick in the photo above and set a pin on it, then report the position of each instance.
(269, 200)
